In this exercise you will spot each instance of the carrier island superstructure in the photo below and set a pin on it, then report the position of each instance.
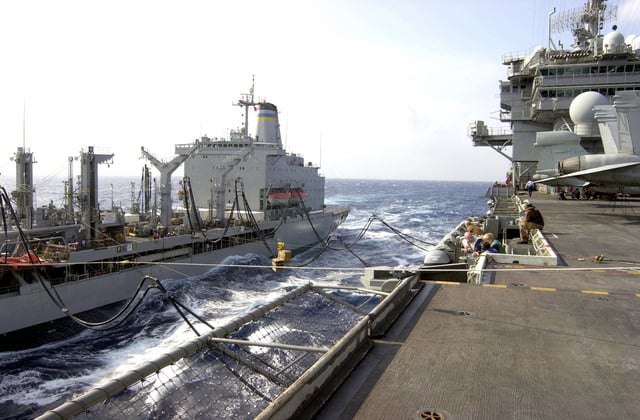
(542, 84)
(239, 195)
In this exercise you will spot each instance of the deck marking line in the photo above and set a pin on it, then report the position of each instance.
(544, 289)
(496, 286)
(596, 270)
(594, 292)
(638, 294)
(633, 272)
(457, 283)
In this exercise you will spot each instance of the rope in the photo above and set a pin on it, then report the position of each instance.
(404, 236)
(179, 306)
(349, 247)
(254, 222)
(306, 212)
(251, 218)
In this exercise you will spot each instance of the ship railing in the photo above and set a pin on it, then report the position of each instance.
(500, 191)
(483, 131)
(272, 362)
(515, 56)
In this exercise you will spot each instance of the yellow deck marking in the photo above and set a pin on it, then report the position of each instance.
(594, 292)
(597, 270)
(633, 272)
(544, 289)
(535, 288)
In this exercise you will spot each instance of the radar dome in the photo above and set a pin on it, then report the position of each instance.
(581, 112)
(581, 109)
(613, 42)
(635, 44)
(629, 39)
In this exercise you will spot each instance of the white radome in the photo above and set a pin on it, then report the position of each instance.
(581, 109)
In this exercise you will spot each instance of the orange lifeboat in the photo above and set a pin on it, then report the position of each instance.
(298, 194)
(23, 262)
(284, 196)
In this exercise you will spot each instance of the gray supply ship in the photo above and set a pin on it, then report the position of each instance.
(239, 195)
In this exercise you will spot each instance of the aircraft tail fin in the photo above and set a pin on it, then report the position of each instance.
(627, 104)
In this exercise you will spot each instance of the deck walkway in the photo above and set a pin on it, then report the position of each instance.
(560, 343)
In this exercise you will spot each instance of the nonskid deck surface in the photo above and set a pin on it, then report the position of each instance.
(560, 343)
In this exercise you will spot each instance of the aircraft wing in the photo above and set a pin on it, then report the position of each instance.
(596, 170)
(566, 181)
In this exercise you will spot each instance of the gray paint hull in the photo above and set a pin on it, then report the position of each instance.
(32, 306)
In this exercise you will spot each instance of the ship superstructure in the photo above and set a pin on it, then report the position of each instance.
(541, 85)
(257, 167)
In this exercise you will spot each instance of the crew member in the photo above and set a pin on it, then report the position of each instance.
(532, 220)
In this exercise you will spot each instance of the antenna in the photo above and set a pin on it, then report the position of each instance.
(585, 23)
(320, 163)
(246, 100)
(550, 14)
(24, 117)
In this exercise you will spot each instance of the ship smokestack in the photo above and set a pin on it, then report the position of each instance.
(268, 126)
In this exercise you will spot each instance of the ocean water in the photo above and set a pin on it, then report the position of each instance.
(40, 378)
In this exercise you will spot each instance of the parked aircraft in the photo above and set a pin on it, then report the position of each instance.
(618, 167)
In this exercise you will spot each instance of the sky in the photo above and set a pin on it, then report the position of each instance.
(365, 88)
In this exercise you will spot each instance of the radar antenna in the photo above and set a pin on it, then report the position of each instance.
(585, 23)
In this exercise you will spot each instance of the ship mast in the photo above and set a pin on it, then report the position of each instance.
(24, 186)
(246, 100)
(90, 212)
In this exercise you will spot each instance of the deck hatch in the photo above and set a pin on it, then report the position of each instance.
(430, 414)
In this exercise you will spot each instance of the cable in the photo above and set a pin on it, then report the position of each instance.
(353, 253)
(123, 313)
(179, 306)
(404, 236)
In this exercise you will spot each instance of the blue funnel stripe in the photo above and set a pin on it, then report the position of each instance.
(267, 115)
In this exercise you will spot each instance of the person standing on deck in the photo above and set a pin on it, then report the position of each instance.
(532, 220)
(530, 186)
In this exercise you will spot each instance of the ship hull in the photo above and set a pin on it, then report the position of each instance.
(31, 306)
